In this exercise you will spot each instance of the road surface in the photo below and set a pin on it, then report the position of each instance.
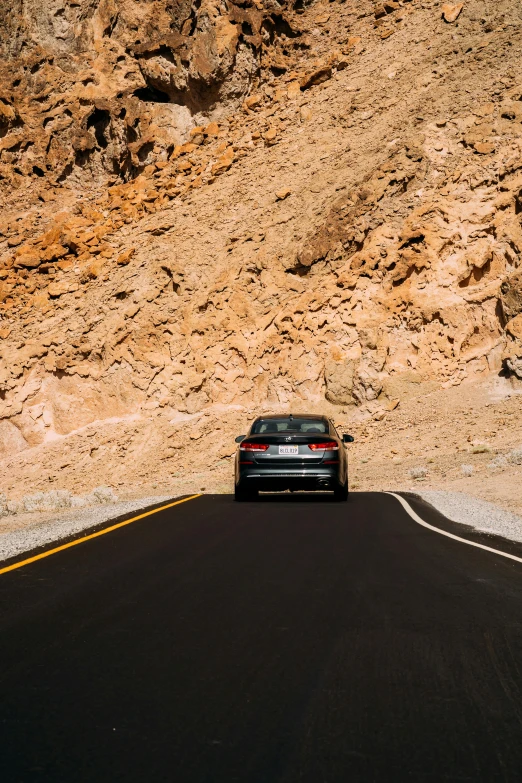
(290, 640)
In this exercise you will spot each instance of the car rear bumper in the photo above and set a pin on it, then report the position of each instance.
(313, 478)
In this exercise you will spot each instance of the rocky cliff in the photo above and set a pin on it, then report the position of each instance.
(216, 208)
(97, 86)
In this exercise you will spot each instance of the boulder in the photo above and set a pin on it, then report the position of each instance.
(11, 439)
(339, 381)
(484, 147)
(511, 295)
(28, 257)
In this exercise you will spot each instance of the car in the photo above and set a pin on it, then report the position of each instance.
(291, 452)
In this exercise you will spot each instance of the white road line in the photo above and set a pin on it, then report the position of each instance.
(420, 521)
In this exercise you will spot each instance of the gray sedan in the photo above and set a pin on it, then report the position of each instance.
(291, 452)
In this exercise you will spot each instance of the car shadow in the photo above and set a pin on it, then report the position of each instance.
(296, 497)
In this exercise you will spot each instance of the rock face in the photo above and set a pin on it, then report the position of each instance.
(511, 303)
(219, 205)
(100, 86)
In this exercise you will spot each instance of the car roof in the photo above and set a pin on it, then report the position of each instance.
(293, 415)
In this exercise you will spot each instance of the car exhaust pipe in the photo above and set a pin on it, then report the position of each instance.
(323, 483)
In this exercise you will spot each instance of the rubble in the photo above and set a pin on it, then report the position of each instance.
(55, 500)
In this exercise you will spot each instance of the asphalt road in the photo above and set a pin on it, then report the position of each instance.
(272, 642)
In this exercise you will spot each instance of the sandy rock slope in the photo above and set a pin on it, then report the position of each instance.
(211, 210)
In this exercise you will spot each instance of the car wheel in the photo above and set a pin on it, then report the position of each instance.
(341, 492)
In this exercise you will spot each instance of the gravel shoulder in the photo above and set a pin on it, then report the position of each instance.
(36, 530)
(479, 514)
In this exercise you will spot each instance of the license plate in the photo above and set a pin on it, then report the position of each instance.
(289, 450)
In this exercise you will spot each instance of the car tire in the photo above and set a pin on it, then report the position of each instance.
(341, 492)
(241, 494)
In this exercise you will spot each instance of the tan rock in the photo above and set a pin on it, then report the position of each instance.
(511, 295)
(189, 147)
(318, 76)
(197, 136)
(484, 147)
(212, 129)
(11, 439)
(57, 289)
(339, 380)
(125, 257)
(514, 327)
(486, 110)
(322, 18)
(270, 136)
(224, 162)
(41, 301)
(252, 102)
(281, 195)
(28, 257)
(51, 237)
(92, 269)
(294, 90)
(5, 291)
(132, 310)
(53, 252)
(450, 13)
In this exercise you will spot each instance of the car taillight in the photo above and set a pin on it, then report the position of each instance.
(246, 446)
(330, 445)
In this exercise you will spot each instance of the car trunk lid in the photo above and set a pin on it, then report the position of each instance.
(287, 449)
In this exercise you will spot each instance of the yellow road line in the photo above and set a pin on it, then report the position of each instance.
(49, 552)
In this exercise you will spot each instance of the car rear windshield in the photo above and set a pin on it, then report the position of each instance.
(308, 426)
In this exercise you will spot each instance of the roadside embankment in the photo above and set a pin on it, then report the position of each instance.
(479, 514)
(37, 529)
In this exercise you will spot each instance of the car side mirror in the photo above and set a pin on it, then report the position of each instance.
(348, 439)
(240, 438)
